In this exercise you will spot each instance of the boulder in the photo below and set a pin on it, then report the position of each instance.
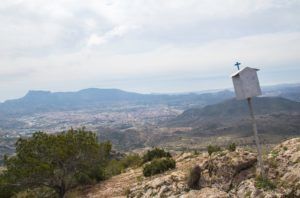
(227, 168)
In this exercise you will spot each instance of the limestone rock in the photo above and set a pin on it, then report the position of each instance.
(206, 193)
(227, 168)
(284, 166)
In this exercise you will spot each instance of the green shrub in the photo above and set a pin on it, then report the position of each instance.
(114, 167)
(84, 179)
(158, 166)
(41, 192)
(7, 191)
(97, 173)
(264, 183)
(231, 147)
(57, 160)
(272, 163)
(194, 177)
(133, 160)
(274, 153)
(155, 153)
(213, 148)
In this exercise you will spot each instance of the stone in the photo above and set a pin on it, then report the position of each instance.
(223, 168)
(206, 193)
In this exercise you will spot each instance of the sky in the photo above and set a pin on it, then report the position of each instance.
(147, 46)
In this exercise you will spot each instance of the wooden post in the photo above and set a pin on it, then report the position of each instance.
(259, 157)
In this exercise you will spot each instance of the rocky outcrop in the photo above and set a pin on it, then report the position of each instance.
(165, 186)
(227, 169)
(284, 167)
(220, 173)
(248, 189)
(224, 174)
(206, 193)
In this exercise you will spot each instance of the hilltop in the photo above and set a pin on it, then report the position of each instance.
(233, 175)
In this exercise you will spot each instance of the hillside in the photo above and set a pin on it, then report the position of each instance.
(277, 119)
(233, 109)
(289, 91)
(233, 175)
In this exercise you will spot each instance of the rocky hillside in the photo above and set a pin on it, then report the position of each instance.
(224, 174)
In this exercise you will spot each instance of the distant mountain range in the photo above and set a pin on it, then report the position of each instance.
(44, 101)
(132, 120)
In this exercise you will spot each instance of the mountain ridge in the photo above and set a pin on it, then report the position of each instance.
(230, 109)
(43, 101)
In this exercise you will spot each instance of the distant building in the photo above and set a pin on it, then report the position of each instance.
(246, 84)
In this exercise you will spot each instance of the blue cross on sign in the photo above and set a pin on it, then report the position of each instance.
(237, 64)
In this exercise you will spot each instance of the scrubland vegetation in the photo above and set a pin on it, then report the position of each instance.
(53, 164)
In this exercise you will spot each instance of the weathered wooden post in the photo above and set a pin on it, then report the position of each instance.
(246, 86)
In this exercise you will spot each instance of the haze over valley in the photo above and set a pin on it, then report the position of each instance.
(135, 121)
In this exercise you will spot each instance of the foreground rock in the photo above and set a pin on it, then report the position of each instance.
(220, 173)
(224, 174)
(227, 169)
(166, 186)
(206, 193)
(284, 167)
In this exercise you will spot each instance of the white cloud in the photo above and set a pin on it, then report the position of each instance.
(118, 31)
(94, 41)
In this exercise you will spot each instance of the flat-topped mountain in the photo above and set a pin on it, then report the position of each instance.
(87, 99)
(44, 101)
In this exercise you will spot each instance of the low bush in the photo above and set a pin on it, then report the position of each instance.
(155, 153)
(264, 183)
(213, 148)
(114, 167)
(132, 160)
(158, 166)
(84, 179)
(194, 178)
(196, 152)
(231, 147)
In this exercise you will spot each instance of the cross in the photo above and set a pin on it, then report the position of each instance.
(237, 64)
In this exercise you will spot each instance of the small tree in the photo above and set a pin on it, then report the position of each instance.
(211, 149)
(155, 153)
(231, 147)
(57, 161)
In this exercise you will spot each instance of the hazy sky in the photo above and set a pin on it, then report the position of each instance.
(144, 45)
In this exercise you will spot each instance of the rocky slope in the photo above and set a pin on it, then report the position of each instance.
(224, 174)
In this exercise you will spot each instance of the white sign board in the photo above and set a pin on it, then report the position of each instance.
(246, 84)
